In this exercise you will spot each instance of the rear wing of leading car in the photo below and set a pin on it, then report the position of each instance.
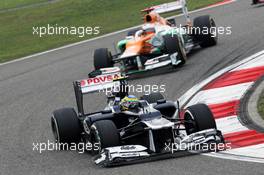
(100, 80)
(179, 5)
(103, 80)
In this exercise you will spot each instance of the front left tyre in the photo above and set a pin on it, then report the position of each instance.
(65, 126)
(102, 58)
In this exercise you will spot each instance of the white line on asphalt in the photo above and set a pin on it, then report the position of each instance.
(235, 157)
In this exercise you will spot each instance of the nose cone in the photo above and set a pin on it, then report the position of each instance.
(137, 46)
(133, 48)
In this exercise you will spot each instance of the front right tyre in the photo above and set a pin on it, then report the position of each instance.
(102, 58)
(205, 31)
(197, 118)
(104, 134)
(173, 44)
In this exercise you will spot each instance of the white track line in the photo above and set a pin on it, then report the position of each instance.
(229, 156)
(249, 151)
(253, 63)
(103, 36)
(252, 153)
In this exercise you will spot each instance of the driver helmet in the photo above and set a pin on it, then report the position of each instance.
(130, 103)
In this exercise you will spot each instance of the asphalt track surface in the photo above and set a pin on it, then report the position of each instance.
(31, 89)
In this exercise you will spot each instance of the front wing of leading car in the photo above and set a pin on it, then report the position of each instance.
(162, 61)
(157, 62)
(129, 154)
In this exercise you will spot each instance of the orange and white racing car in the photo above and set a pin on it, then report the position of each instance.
(159, 42)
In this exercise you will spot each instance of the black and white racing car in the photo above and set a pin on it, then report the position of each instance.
(129, 129)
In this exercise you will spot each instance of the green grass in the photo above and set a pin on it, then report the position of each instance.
(261, 105)
(17, 40)
(8, 4)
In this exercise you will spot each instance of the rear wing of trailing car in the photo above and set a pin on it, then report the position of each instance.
(102, 80)
(179, 5)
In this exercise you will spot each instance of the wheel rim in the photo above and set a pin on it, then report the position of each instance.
(183, 52)
(214, 33)
(55, 130)
(190, 124)
(95, 138)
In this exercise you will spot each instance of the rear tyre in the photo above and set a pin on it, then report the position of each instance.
(205, 31)
(172, 44)
(197, 118)
(66, 126)
(102, 58)
(104, 134)
(153, 97)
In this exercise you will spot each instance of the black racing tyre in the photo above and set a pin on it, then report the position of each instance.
(153, 97)
(105, 134)
(102, 58)
(173, 44)
(197, 118)
(204, 30)
(66, 126)
(132, 32)
(254, 1)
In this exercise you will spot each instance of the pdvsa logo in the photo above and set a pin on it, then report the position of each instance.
(100, 80)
